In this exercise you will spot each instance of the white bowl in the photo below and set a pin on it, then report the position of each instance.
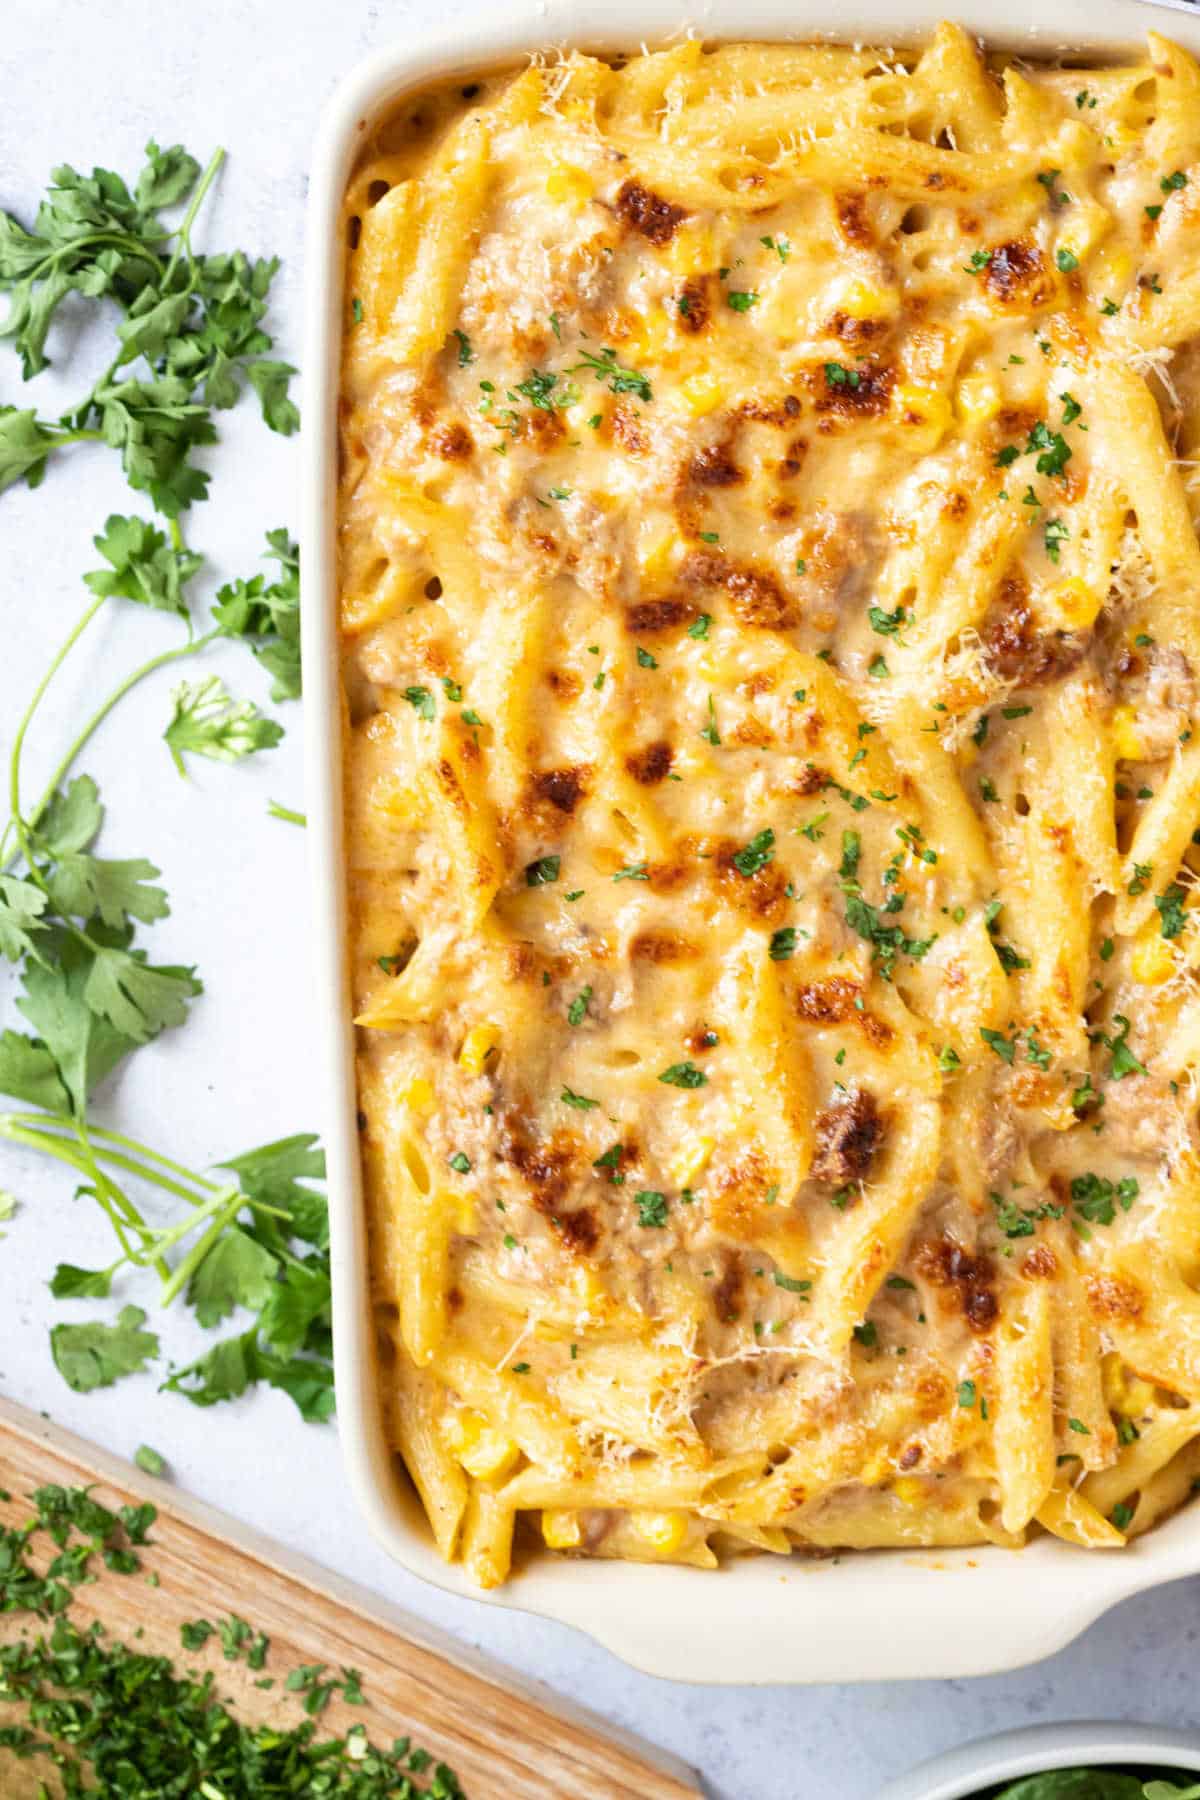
(977, 1768)
(871, 1616)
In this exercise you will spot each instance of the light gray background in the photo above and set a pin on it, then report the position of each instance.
(91, 80)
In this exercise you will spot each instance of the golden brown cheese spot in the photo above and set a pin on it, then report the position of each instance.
(1040, 1264)
(810, 780)
(546, 1164)
(1016, 274)
(852, 217)
(645, 617)
(861, 393)
(560, 788)
(758, 600)
(847, 1136)
(727, 1295)
(646, 212)
(857, 331)
(701, 1038)
(828, 1002)
(761, 894)
(694, 303)
(628, 430)
(1016, 650)
(945, 1264)
(713, 466)
(565, 683)
(453, 442)
(1115, 1297)
(651, 764)
(662, 947)
(579, 1229)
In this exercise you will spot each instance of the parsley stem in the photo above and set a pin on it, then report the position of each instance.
(226, 1211)
(183, 234)
(14, 761)
(191, 648)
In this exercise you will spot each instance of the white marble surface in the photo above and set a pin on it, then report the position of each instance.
(91, 80)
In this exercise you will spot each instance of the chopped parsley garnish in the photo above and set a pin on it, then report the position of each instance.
(1079, 1426)
(451, 689)
(645, 660)
(838, 376)
(684, 1075)
(948, 1059)
(465, 353)
(577, 1011)
(1152, 212)
(1124, 1062)
(783, 943)
(741, 300)
(1071, 408)
(421, 701)
(709, 732)
(978, 262)
(1056, 534)
(1005, 1048)
(605, 367)
(867, 1334)
(611, 1160)
(1006, 457)
(580, 1102)
(460, 1163)
(538, 388)
(652, 1207)
(987, 790)
(1055, 450)
(1141, 878)
(779, 245)
(542, 871)
(1170, 183)
(1096, 1197)
(887, 624)
(812, 831)
(790, 1284)
(699, 627)
(756, 854)
(356, 308)
(1122, 1515)
(966, 1394)
(633, 872)
(1066, 260)
(879, 668)
(1170, 908)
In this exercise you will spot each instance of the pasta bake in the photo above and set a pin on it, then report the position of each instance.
(769, 601)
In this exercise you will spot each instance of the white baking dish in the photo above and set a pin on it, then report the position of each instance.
(865, 1617)
(979, 1768)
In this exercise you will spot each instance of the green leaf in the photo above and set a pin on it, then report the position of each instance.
(149, 1460)
(95, 1355)
(275, 1174)
(146, 567)
(167, 179)
(270, 382)
(1075, 1784)
(24, 447)
(150, 325)
(267, 615)
(71, 820)
(236, 1272)
(85, 1047)
(294, 1305)
(208, 722)
(21, 907)
(69, 1282)
(138, 1000)
(156, 425)
(83, 887)
(307, 1381)
(29, 1072)
(223, 1373)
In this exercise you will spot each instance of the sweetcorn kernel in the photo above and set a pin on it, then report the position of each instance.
(482, 1450)
(702, 393)
(1124, 1391)
(478, 1045)
(656, 557)
(924, 412)
(692, 250)
(1152, 962)
(464, 1210)
(569, 185)
(561, 1529)
(978, 398)
(1126, 741)
(690, 1161)
(418, 1096)
(910, 1489)
(663, 1531)
(1074, 602)
(647, 340)
(874, 1470)
(864, 300)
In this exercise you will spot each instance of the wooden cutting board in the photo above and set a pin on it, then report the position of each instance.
(506, 1738)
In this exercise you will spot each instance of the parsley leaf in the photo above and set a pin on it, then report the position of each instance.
(684, 1075)
(207, 721)
(96, 1355)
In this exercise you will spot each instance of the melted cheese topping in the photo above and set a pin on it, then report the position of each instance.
(769, 589)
